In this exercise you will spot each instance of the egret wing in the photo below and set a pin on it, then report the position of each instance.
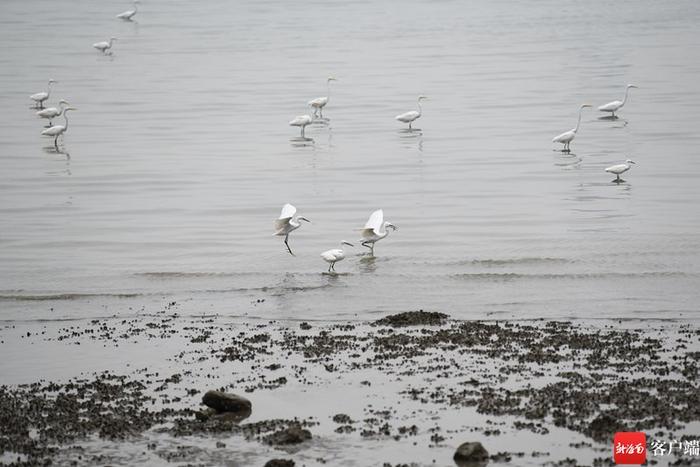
(610, 106)
(616, 168)
(375, 221)
(286, 215)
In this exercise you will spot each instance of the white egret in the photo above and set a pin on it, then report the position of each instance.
(52, 112)
(128, 14)
(301, 121)
(40, 97)
(375, 230)
(413, 115)
(320, 102)
(620, 169)
(568, 136)
(287, 222)
(333, 256)
(614, 106)
(58, 130)
(104, 46)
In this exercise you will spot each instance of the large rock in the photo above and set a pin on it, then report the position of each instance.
(227, 402)
(291, 435)
(471, 452)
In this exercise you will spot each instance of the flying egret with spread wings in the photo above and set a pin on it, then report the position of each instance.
(320, 102)
(375, 230)
(619, 169)
(52, 112)
(568, 136)
(333, 256)
(128, 14)
(288, 222)
(413, 115)
(40, 97)
(614, 106)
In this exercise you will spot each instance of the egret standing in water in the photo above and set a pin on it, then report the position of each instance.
(614, 106)
(413, 115)
(335, 255)
(104, 46)
(320, 102)
(58, 130)
(40, 97)
(52, 112)
(568, 136)
(128, 14)
(620, 169)
(301, 121)
(375, 230)
(287, 222)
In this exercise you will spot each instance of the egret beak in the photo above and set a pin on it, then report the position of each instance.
(388, 224)
(347, 243)
(300, 218)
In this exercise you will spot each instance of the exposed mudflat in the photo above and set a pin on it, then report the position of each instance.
(404, 390)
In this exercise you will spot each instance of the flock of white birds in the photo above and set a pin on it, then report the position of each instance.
(376, 228)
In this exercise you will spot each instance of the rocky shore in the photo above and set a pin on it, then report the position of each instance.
(415, 388)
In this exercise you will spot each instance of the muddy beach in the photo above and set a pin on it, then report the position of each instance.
(407, 389)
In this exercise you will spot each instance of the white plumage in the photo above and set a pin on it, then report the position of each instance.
(58, 130)
(614, 106)
(104, 46)
(287, 222)
(568, 136)
(375, 230)
(320, 102)
(128, 14)
(413, 115)
(52, 112)
(301, 121)
(334, 255)
(40, 97)
(619, 169)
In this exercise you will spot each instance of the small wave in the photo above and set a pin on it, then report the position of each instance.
(189, 275)
(65, 296)
(506, 276)
(509, 261)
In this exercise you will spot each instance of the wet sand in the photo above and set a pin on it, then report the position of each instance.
(404, 390)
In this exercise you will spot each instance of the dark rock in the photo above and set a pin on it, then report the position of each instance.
(603, 427)
(413, 318)
(471, 452)
(290, 435)
(279, 463)
(227, 402)
(342, 418)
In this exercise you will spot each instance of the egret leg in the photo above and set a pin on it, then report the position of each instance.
(329, 267)
(286, 238)
(320, 111)
(409, 125)
(55, 142)
(302, 131)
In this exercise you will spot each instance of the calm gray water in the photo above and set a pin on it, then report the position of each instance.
(181, 157)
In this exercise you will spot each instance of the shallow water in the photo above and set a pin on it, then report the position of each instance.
(181, 157)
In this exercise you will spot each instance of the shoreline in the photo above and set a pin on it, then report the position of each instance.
(406, 388)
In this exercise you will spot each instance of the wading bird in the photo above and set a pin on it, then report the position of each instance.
(128, 14)
(375, 230)
(58, 130)
(104, 46)
(568, 136)
(52, 112)
(320, 102)
(40, 97)
(620, 169)
(287, 222)
(413, 115)
(301, 121)
(614, 106)
(335, 255)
